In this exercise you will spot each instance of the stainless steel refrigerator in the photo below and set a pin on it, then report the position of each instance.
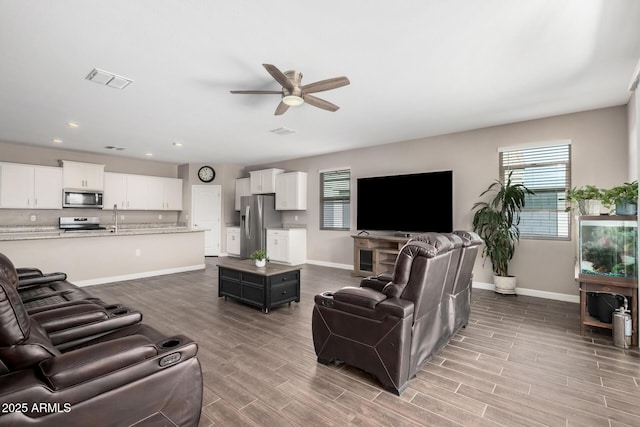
(258, 212)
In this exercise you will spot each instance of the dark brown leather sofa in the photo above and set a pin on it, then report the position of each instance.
(121, 377)
(391, 329)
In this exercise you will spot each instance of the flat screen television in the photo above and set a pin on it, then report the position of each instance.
(410, 203)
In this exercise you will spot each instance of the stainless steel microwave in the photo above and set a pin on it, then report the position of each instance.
(81, 199)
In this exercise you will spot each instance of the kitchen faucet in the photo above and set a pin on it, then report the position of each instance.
(115, 217)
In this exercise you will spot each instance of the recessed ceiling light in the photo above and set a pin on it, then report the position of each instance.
(148, 154)
(177, 144)
(73, 124)
(57, 140)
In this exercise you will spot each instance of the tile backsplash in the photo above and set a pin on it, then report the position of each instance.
(45, 217)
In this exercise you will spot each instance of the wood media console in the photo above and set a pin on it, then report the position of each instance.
(373, 255)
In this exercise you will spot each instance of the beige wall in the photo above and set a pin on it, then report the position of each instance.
(633, 117)
(599, 156)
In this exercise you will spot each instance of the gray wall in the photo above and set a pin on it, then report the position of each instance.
(599, 156)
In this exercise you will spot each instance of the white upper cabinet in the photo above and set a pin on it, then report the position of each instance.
(243, 188)
(291, 191)
(30, 186)
(141, 192)
(264, 181)
(172, 194)
(82, 176)
(47, 189)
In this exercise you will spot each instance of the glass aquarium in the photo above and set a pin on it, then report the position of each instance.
(609, 247)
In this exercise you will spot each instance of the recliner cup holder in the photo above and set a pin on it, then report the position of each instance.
(112, 306)
(120, 312)
(171, 343)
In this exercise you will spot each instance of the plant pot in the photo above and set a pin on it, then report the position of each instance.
(261, 262)
(505, 284)
(590, 207)
(625, 208)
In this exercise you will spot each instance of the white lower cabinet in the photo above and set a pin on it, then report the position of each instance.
(233, 241)
(287, 246)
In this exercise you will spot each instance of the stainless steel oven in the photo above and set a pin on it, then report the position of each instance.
(81, 199)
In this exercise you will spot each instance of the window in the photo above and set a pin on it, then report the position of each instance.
(335, 199)
(547, 171)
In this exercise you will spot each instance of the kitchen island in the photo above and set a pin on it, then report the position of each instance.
(103, 256)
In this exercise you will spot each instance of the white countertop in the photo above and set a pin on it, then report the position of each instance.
(31, 233)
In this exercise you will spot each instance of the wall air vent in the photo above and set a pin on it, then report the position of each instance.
(282, 131)
(108, 79)
(113, 147)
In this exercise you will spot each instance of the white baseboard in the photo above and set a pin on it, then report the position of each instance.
(133, 276)
(331, 264)
(532, 292)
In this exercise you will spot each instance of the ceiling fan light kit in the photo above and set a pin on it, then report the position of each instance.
(293, 93)
(292, 100)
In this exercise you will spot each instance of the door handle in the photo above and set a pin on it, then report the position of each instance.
(247, 230)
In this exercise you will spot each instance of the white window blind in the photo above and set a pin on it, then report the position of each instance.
(547, 171)
(335, 199)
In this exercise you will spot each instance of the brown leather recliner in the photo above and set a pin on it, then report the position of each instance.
(391, 333)
(124, 377)
(459, 301)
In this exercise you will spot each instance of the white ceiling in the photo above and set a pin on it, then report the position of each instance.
(417, 68)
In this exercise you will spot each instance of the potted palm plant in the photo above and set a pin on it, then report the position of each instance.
(496, 221)
(259, 256)
(625, 198)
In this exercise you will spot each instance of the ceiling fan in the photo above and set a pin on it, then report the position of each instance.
(293, 93)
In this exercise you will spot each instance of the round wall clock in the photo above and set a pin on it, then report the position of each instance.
(206, 174)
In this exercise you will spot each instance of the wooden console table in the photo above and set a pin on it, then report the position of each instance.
(611, 286)
(373, 255)
(263, 287)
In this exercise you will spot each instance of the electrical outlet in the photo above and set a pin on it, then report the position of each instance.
(137, 252)
(121, 217)
(159, 216)
(32, 218)
(295, 217)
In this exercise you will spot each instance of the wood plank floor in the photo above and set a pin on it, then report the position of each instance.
(520, 362)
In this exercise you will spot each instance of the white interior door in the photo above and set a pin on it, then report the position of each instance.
(205, 215)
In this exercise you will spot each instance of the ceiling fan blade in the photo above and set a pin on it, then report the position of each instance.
(320, 103)
(257, 92)
(281, 109)
(327, 84)
(278, 76)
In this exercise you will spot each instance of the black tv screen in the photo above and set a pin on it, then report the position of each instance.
(417, 202)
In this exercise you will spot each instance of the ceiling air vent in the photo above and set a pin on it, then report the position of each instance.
(108, 79)
(282, 131)
(113, 147)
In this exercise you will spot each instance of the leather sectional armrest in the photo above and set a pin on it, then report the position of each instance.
(373, 283)
(396, 307)
(94, 361)
(28, 282)
(364, 297)
(70, 316)
(28, 272)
